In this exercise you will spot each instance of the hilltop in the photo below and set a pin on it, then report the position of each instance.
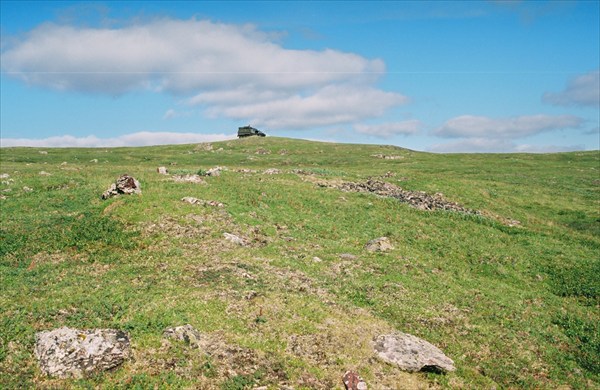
(504, 280)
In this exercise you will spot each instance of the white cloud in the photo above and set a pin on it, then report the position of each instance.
(387, 130)
(480, 126)
(235, 71)
(487, 145)
(583, 90)
(333, 104)
(172, 113)
(144, 138)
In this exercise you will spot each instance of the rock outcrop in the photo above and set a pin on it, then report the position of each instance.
(67, 352)
(411, 353)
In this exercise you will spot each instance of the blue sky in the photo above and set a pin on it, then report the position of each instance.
(490, 76)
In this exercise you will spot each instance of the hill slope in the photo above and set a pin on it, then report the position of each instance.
(510, 293)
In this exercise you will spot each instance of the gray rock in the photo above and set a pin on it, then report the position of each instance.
(201, 202)
(125, 185)
(67, 352)
(216, 171)
(272, 171)
(348, 256)
(235, 239)
(411, 353)
(380, 244)
(162, 170)
(186, 333)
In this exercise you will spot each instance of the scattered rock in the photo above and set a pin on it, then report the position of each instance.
(162, 170)
(235, 239)
(204, 146)
(418, 199)
(411, 353)
(381, 244)
(387, 157)
(186, 333)
(348, 256)
(317, 259)
(42, 152)
(262, 151)
(4, 176)
(201, 202)
(2, 197)
(283, 152)
(27, 189)
(94, 160)
(216, 171)
(245, 170)
(272, 171)
(44, 173)
(67, 352)
(125, 185)
(64, 163)
(189, 179)
(353, 382)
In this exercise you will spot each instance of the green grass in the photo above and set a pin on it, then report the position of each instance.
(514, 307)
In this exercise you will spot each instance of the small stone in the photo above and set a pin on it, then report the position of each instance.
(4, 176)
(27, 189)
(94, 160)
(67, 352)
(381, 244)
(64, 163)
(411, 353)
(42, 152)
(192, 200)
(186, 333)
(317, 259)
(235, 239)
(353, 382)
(348, 256)
(162, 170)
(44, 173)
(216, 171)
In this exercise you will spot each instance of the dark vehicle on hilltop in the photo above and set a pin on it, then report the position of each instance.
(248, 131)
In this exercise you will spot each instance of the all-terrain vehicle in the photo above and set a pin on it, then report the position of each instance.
(248, 131)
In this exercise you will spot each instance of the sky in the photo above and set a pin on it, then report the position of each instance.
(436, 76)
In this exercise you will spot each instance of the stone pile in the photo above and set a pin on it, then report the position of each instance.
(418, 199)
(124, 185)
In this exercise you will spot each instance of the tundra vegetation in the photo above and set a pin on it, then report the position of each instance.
(510, 293)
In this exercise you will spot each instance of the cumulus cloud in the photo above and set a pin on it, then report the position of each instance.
(487, 145)
(583, 90)
(144, 138)
(235, 71)
(515, 127)
(388, 130)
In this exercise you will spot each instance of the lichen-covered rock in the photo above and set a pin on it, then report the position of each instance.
(124, 185)
(411, 353)
(186, 333)
(353, 382)
(235, 239)
(381, 244)
(67, 352)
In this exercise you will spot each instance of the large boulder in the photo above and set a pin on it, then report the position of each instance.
(124, 185)
(411, 353)
(67, 352)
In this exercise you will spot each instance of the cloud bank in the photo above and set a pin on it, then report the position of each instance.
(143, 138)
(484, 134)
(583, 90)
(234, 71)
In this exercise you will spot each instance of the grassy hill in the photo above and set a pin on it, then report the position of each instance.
(511, 294)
